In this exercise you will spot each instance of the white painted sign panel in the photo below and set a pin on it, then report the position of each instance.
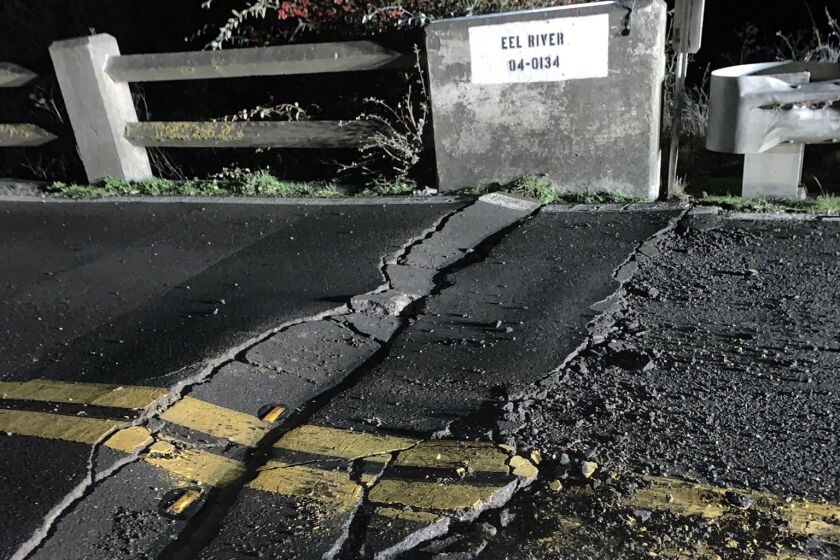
(551, 50)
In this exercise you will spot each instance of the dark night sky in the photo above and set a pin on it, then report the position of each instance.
(157, 25)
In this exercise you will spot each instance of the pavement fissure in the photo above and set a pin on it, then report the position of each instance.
(145, 420)
(202, 527)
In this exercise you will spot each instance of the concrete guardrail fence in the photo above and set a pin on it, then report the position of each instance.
(94, 79)
(20, 135)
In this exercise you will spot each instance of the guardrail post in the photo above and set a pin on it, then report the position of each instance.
(776, 173)
(99, 108)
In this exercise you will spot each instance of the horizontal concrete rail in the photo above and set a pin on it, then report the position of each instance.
(293, 134)
(267, 61)
(23, 135)
(20, 135)
(12, 75)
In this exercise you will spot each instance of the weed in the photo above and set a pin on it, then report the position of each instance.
(535, 186)
(261, 183)
(598, 198)
(827, 203)
(388, 188)
(824, 204)
(252, 184)
(479, 190)
(394, 147)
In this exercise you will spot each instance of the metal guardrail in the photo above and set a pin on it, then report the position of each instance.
(769, 112)
(94, 78)
(19, 135)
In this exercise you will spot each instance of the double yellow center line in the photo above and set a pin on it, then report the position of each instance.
(196, 466)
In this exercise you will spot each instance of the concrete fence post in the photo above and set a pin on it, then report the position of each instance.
(99, 108)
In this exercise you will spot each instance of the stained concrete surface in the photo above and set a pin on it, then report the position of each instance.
(588, 135)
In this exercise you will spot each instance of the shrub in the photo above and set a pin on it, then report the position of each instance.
(261, 22)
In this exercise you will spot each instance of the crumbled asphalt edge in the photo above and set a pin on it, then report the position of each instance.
(598, 328)
(203, 526)
(149, 417)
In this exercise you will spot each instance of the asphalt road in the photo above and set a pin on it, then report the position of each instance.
(484, 381)
(143, 294)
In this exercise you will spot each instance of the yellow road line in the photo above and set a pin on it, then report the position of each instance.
(52, 426)
(191, 413)
(344, 444)
(332, 486)
(217, 421)
(129, 439)
(443, 454)
(431, 495)
(201, 467)
(822, 520)
(408, 515)
(94, 394)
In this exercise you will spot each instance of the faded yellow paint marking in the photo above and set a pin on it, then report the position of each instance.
(443, 454)
(185, 501)
(431, 495)
(822, 520)
(334, 486)
(680, 497)
(129, 439)
(200, 467)
(217, 421)
(784, 555)
(77, 429)
(53, 426)
(94, 394)
(344, 444)
(408, 515)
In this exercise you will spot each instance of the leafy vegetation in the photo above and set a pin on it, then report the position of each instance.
(382, 188)
(539, 187)
(825, 204)
(262, 22)
(598, 198)
(254, 184)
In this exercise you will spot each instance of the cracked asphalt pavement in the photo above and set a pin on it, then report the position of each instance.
(438, 380)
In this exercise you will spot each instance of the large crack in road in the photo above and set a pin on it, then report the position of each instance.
(365, 314)
(408, 421)
(706, 406)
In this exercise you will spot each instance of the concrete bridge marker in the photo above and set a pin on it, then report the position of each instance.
(572, 92)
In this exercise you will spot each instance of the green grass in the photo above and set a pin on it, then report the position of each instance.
(540, 188)
(824, 204)
(396, 188)
(536, 187)
(598, 198)
(255, 184)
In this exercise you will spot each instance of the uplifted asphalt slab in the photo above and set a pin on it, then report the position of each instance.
(498, 321)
